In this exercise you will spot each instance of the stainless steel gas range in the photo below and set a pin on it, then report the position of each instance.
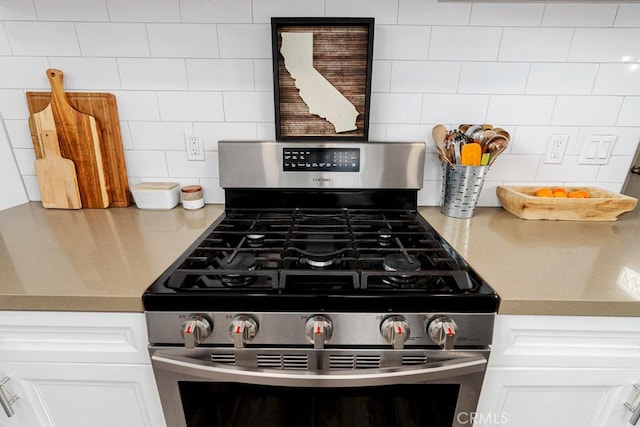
(320, 298)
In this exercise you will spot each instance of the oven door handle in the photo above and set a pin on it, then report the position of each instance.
(203, 370)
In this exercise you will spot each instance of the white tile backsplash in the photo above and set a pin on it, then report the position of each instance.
(183, 40)
(534, 68)
(42, 38)
(71, 10)
(465, 43)
(113, 39)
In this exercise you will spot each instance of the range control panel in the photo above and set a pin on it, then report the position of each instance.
(321, 159)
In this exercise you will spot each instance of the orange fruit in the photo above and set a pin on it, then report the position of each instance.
(575, 195)
(585, 193)
(544, 192)
(559, 190)
(560, 194)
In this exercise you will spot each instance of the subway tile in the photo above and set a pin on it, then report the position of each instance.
(212, 11)
(520, 109)
(31, 185)
(384, 11)
(137, 105)
(615, 170)
(146, 163)
(159, 135)
(152, 73)
(535, 44)
(263, 74)
(220, 74)
(465, 43)
(400, 132)
(244, 41)
(183, 40)
(13, 104)
(586, 110)
(579, 14)
(605, 45)
(264, 10)
(569, 170)
(24, 72)
(17, 10)
(179, 166)
(42, 38)
(430, 193)
(266, 131)
(190, 106)
(626, 141)
(507, 14)
(19, 133)
(113, 39)
(628, 15)
(455, 109)
(420, 12)
(395, 108)
(561, 79)
(630, 112)
(488, 196)
(5, 49)
(381, 76)
(248, 106)
(511, 167)
(88, 73)
(144, 10)
(125, 134)
(424, 76)
(432, 167)
(211, 190)
(71, 10)
(391, 42)
(214, 132)
(493, 77)
(618, 79)
(25, 159)
(536, 139)
(377, 132)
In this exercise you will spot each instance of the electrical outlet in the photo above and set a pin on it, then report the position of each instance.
(195, 147)
(557, 147)
(597, 149)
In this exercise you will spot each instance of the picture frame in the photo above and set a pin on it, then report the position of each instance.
(331, 60)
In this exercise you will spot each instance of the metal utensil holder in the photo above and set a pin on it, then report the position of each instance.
(461, 186)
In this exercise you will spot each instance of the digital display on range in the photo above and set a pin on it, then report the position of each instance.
(321, 159)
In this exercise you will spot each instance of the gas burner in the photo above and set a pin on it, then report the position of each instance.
(384, 237)
(255, 240)
(401, 263)
(241, 261)
(318, 262)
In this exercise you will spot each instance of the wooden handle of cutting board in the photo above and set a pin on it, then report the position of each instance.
(56, 176)
(80, 141)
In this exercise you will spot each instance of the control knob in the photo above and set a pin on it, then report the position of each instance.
(442, 331)
(396, 330)
(242, 330)
(318, 330)
(195, 330)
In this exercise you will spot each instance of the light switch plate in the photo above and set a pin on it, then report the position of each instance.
(597, 149)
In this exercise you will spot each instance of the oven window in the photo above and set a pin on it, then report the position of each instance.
(241, 405)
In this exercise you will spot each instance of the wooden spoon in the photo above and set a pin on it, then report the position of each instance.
(439, 133)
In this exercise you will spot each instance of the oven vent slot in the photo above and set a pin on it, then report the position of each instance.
(354, 361)
(226, 358)
(414, 359)
(283, 361)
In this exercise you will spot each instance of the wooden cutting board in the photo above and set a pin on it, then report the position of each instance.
(80, 141)
(56, 176)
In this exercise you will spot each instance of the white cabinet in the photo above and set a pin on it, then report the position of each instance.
(561, 372)
(77, 370)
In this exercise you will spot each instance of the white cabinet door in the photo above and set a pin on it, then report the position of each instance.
(556, 397)
(80, 395)
(21, 408)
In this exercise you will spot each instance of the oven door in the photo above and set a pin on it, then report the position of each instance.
(207, 387)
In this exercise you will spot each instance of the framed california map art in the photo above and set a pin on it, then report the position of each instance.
(322, 77)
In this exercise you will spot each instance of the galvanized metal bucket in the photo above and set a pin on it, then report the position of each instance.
(461, 188)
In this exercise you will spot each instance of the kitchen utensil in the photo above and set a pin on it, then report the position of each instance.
(104, 108)
(439, 133)
(475, 133)
(57, 178)
(79, 136)
(471, 154)
(495, 146)
(488, 134)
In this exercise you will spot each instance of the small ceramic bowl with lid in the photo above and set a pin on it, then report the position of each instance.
(192, 197)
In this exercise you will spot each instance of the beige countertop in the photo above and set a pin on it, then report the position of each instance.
(550, 267)
(90, 259)
(104, 259)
